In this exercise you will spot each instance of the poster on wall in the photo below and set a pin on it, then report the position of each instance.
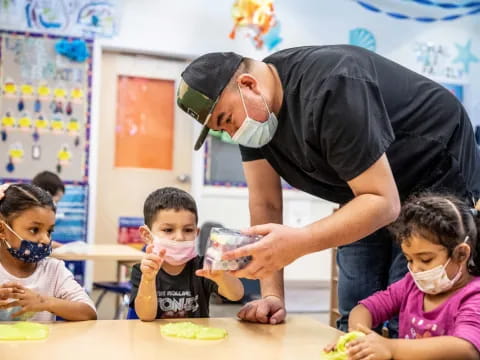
(45, 106)
(71, 221)
(66, 17)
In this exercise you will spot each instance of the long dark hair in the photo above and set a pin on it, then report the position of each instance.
(21, 197)
(442, 219)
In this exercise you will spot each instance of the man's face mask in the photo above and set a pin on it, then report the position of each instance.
(29, 251)
(177, 252)
(252, 133)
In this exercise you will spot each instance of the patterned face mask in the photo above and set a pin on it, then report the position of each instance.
(29, 251)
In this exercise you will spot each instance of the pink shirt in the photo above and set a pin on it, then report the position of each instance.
(458, 316)
(50, 278)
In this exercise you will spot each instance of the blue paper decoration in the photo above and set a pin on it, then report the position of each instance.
(75, 50)
(272, 38)
(424, 19)
(465, 56)
(363, 38)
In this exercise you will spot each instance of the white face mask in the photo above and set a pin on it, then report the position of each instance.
(255, 134)
(435, 281)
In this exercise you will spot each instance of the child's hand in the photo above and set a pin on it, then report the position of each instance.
(329, 348)
(7, 290)
(371, 347)
(214, 275)
(151, 263)
(27, 299)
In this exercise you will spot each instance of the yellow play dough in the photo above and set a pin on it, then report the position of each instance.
(188, 330)
(340, 352)
(23, 331)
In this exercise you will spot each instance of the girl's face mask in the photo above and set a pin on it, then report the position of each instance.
(29, 251)
(177, 252)
(436, 280)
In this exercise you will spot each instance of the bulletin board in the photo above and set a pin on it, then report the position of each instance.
(44, 108)
(223, 164)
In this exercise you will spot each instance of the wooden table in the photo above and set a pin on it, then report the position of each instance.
(117, 252)
(299, 338)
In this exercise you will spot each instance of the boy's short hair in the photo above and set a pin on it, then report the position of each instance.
(50, 182)
(167, 198)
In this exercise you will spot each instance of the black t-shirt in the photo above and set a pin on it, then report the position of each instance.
(180, 296)
(344, 106)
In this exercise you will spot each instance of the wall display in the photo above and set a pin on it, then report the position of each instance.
(44, 107)
(128, 233)
(223, 162)
(66, 17)
(452, 61)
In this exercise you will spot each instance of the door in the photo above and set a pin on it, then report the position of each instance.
(145, 141)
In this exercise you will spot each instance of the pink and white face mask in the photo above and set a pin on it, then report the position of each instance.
(177, 252)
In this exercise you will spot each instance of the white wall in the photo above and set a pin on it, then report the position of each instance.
(193, 27)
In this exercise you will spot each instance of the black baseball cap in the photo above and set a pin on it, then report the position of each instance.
(203, 80)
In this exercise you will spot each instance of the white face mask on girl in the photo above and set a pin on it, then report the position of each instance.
(252, 133)
(435, 281)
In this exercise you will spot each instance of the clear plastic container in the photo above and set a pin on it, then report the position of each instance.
(223, 240)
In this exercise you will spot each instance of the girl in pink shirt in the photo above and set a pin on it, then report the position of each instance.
(438, 301)
(34, 286)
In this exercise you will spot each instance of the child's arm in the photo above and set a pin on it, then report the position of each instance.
(373, 346)
(229, 286)
(359, 315)
(31, 301)
(146, 302)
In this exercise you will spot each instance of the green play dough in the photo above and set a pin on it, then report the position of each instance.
(188, 330)
(340, 352)
(23, 331)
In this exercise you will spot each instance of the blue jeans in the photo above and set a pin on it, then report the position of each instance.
(365, 267)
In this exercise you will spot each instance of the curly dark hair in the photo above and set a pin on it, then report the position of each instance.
(442, 219)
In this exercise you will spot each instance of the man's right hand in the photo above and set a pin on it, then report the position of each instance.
(151, 263)
(269, 310)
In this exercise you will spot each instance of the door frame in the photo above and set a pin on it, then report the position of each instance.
(99, 49)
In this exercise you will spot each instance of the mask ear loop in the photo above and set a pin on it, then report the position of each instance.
(13, 232)
(243, 101)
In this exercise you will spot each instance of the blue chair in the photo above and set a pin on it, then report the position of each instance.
(121, 289)
(131, 314)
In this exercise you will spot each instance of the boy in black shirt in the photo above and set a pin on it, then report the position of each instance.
(170, 282)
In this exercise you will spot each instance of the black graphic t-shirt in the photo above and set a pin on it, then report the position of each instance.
(179, 296)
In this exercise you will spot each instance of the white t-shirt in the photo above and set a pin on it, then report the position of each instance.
(50, 278)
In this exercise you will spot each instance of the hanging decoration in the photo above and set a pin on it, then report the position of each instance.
(363, 38)
(447, 5)
(424, 19)
(259, 19)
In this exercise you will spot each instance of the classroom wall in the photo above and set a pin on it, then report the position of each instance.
(193, 27)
